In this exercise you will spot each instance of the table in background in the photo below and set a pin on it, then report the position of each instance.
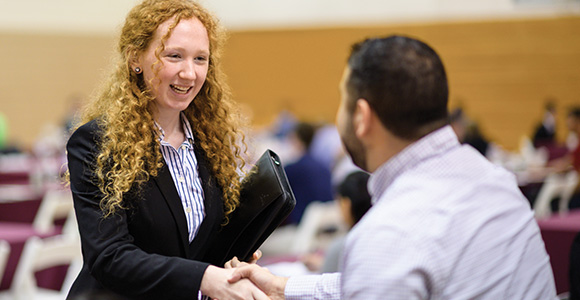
(19, 203)
(16, 235)
(558, 232)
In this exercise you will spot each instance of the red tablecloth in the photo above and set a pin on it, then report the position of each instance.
(558, 233)
(16, 235)
(19, 202)
(21, 211)
(14, 178)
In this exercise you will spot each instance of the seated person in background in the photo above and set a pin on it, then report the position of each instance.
(310, 180)
(459, 123)
(572, 159)
(545, 132)
(326, 146)
(467, 131)
(354, 201)
(475, 139)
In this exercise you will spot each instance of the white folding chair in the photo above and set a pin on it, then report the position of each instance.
(56, 204)
(4, 252)
(70, 226)
(40, 254)
(317, 217)
(559, 186)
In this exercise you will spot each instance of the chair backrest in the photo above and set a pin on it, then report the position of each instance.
(4, 252)
(557, 185)
(56, 204)
(571, 182)
(40, 254)
(317, 217)
(71, 226)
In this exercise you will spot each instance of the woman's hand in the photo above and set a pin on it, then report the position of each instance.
(235, 262)
(271, 284)
(215, 285)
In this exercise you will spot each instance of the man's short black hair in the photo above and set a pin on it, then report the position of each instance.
(404, 82)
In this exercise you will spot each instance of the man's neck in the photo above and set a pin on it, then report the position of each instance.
(389, 146)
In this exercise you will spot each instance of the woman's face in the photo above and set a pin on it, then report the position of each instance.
(182, 68)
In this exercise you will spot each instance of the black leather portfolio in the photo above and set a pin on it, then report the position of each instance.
(266, 199)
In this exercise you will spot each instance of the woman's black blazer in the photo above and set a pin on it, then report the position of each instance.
(142, 252)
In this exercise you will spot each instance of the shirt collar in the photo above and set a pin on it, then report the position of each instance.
(186, 129)
(431, 145)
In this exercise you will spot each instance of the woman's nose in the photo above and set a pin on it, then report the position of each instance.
(188, 71)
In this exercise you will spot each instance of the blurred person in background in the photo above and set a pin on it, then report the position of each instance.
(326, 147)
(545, 131)
(475, 139)
(309, 179)
(354, 201)
(468, 131)
(571, 161)
(154, 168)
(459, 123)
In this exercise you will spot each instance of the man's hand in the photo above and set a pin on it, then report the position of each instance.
(271, 284)
(216, 285)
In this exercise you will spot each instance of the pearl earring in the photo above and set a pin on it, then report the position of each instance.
(138, 70)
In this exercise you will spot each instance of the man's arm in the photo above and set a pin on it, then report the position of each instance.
(272, 285)
(324, 286)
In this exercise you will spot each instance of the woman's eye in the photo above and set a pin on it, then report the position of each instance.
(201, 58)
(174, 56)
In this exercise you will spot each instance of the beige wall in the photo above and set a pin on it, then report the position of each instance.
(502, 71)
(39, 73)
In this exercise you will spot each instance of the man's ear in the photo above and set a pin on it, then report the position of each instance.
(362, 119)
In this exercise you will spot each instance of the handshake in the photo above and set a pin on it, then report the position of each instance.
(241, 280)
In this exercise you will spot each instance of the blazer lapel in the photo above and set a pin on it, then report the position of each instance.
(167, 187)
(213, 203)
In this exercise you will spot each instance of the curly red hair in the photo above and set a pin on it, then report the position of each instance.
(129, 152)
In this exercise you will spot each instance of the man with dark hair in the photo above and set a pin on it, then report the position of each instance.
(445, 222)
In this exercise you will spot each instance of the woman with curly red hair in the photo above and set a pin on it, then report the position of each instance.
(154, 169)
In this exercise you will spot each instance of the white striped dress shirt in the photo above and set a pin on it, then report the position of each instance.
(182, 165)
(445, 224)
